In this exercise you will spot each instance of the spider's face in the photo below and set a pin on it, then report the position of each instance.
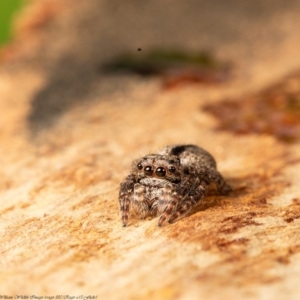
(164, 167)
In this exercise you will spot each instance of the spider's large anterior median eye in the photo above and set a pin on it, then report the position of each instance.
(148, 170)
(139, 166)
(160, 172)
(172, 169)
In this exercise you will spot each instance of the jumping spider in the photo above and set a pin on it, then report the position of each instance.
(169, 184)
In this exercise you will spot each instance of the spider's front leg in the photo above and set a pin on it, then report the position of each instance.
(173, 196)
(194, 195)
(125, 196)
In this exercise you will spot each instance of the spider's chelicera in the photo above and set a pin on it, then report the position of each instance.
(169, 184)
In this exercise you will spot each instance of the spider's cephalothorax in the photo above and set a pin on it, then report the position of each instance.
(169, 184)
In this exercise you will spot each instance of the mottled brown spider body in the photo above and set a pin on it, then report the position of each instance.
(169, 184)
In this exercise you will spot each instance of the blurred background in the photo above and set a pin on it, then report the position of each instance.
(8, 12)
(89, 50)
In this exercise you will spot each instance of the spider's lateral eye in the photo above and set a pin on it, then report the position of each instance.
(172, 169)
(139, 166)
(148, 170)
(160, 172)
(186, 171)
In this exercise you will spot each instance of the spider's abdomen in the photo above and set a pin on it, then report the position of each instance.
(192, 158)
